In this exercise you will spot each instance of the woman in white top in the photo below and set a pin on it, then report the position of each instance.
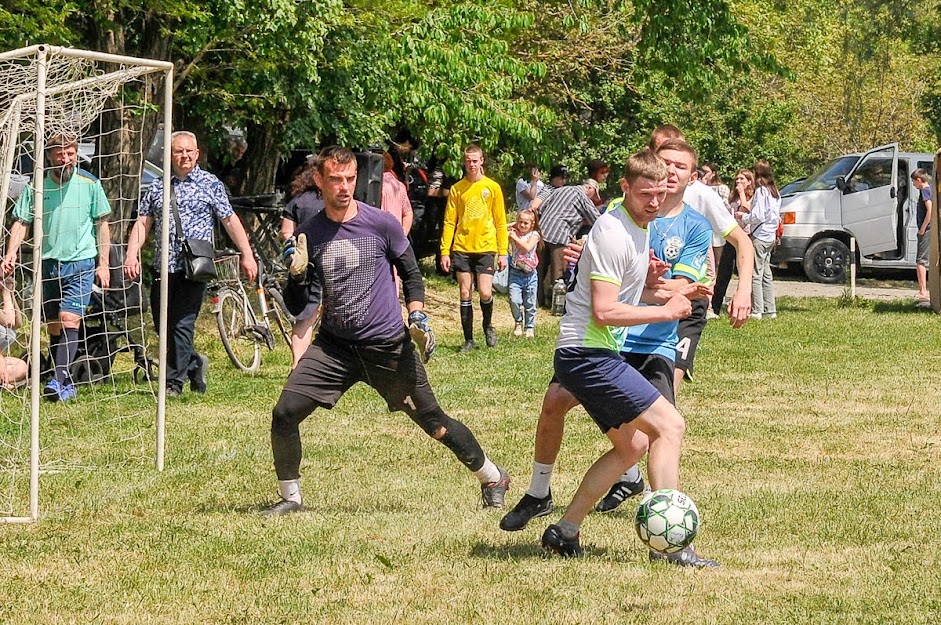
(762, 213)
(12, 370)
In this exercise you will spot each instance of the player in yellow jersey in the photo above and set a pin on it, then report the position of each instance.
(474, 241)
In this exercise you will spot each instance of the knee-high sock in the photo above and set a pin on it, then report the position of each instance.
(486, 309)
(467, 319)
(65, 354)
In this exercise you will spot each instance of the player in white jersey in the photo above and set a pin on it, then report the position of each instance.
(610, 283)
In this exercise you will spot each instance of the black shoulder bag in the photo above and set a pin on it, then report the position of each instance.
(199, 257)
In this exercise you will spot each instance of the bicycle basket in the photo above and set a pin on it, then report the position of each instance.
(227, 268)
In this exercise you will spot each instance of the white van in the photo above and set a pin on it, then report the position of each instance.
(868, 196)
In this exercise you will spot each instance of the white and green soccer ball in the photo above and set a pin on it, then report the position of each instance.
(667, 520)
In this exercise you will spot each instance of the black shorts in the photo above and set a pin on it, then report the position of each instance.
(689, 333)
(330, 366)
(656, 369)
(473, 263)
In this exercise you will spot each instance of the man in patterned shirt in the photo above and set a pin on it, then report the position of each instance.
(201, 198)
(348, 251)
(474, 240)
(560, 218)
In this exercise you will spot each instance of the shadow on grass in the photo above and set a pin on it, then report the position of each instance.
(523, 551)
(901, 306)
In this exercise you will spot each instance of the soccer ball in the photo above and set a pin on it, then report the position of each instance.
(667, 520)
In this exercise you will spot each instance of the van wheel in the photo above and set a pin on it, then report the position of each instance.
(827, 260)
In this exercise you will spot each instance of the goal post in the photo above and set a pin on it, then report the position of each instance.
(113, 105)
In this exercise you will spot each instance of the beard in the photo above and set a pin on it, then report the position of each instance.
(62, 173)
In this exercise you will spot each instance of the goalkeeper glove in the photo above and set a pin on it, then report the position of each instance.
(295, 254)
(420, 329)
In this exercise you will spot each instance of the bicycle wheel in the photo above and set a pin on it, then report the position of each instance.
(282, 317)
(233, 315)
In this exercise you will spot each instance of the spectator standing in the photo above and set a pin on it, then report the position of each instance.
(524, 244)
(527, 190)
(744, 190)
(200, 199)
(305, 202)
(74, 208)
(923, 215)
(474, 242)
(395, 195)
(599, 170)
(558, 178)
(762, 213)
(560, 218)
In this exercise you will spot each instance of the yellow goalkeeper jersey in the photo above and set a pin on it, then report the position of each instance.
(475, 219)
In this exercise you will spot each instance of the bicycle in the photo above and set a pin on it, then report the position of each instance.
(242, 331)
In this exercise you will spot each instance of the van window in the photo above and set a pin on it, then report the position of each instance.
(874, 173)
(928, 166)
(825, 177)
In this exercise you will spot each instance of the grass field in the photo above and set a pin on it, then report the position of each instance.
(812, 451)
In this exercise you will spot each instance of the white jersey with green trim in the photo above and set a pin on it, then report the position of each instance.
(617, 252)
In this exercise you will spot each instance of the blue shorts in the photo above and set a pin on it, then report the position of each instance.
(66, 287)
(611, 391)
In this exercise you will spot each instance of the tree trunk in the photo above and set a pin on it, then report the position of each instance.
(260, 162)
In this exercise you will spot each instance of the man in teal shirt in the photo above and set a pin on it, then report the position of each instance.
(75, 234)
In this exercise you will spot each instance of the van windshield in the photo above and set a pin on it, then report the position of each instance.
(825, 177)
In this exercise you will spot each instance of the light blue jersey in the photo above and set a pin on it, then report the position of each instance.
(682, 241)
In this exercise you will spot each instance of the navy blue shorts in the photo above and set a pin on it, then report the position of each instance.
(611, 391)
(66, 287)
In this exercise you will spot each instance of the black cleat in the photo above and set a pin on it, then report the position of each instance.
(526, 510)
(618, 493)
(282, 508)
(687, 557)
(554, 542)
(494, 493)
(468, 346)
(490, 335)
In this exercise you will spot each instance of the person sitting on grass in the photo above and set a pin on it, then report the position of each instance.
(12, 370)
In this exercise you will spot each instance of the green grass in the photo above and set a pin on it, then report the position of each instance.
(812, 452)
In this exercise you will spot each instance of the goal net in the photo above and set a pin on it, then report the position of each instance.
(114, 107)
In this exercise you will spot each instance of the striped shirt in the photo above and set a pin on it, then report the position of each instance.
(564, 213)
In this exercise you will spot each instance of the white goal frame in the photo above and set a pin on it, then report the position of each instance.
(42, 54)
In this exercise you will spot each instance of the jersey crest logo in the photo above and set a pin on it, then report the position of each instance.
(485, 193)
(672, 248)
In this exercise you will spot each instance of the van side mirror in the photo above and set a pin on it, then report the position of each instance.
(841, 183)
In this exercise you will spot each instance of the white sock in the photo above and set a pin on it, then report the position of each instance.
(488, 473)
(539, 483)
(631, 475)
(290, 490)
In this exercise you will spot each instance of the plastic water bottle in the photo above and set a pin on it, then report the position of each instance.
(558, 297)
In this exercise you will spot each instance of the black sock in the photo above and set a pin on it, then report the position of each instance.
(486, 309)
(467, 319)
(53, 345)
(65, 354)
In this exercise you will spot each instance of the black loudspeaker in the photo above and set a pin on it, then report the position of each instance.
(368, 178)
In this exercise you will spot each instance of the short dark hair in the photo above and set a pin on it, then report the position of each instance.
(595, 165)
(473, 147)
(335, 153)
(664, 132)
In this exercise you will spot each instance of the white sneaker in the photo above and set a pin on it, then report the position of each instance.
(771, 315)
(530, 334)
(518, 331)
(710, 314)
(755, 316)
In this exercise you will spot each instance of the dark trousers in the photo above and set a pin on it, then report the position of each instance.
(551, 267)
(726, 265)
(185, 300)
